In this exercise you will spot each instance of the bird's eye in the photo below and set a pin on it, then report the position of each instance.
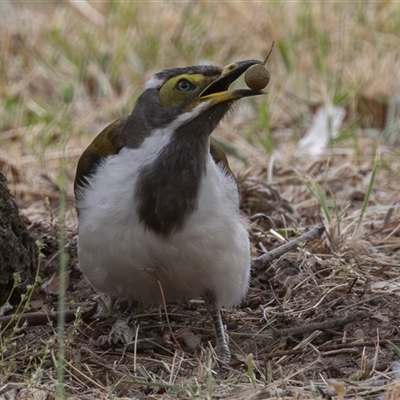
(185, 86)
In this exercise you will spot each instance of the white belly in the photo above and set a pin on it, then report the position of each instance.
(119, 256)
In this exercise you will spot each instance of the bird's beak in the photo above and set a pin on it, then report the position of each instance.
(218, 91)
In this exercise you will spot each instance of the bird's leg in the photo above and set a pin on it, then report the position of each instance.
(107, 305)
(222, 348)
(121, 331)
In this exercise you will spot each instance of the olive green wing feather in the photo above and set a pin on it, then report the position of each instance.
(219, 156)
(105, 144)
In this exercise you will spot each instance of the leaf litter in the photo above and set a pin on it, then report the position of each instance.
(320, 320)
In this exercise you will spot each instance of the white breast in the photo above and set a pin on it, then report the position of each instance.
(122, 258)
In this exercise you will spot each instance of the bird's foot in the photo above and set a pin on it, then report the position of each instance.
(121, 333)
(223, 353)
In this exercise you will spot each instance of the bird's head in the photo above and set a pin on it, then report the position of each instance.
(198, 96)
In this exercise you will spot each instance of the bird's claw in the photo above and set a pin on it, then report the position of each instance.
(121, 333)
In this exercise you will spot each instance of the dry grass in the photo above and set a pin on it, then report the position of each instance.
(69, 68)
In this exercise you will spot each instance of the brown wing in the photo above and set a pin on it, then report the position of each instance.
(219, 156)
(104, 144)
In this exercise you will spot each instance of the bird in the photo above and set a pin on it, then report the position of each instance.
(157, 202)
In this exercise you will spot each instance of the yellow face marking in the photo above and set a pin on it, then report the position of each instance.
(180, 88)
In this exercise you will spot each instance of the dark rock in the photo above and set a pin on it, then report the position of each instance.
(18, 251)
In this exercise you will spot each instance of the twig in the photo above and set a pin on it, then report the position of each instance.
(347, 350)
(320, 326)
(259, 262)
(324, 349)
(377, 347)
(42, 318)
(367, 343)
(167, 317)
(269, 53)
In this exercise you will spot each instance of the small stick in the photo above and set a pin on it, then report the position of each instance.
(319, 326)
(259, 262)
(167, 317)
(325, 348)
(269, 53)
(42, 318)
